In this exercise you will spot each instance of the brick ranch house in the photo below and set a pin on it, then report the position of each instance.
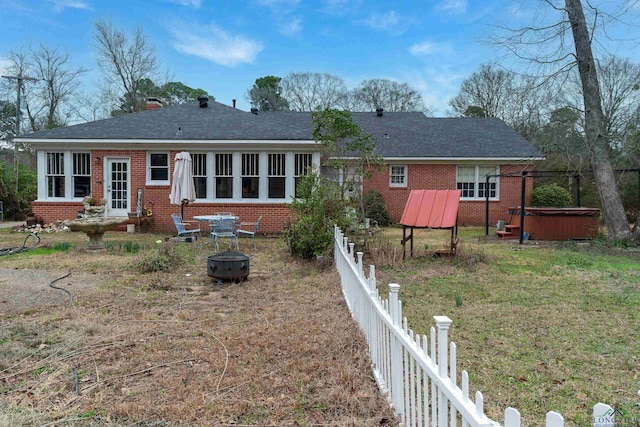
(248, 162)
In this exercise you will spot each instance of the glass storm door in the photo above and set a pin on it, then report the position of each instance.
(118, 193)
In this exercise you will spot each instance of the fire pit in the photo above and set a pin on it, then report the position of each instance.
(228, 266)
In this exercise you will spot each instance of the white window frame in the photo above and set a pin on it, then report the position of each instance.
(479, 180)
(65, 170)
(223, 168)
(302, 162)
(277, 169)
(151, 182)
(403, 175)
(200, 168)
(251, 170)
(81, 167)
(55, 170)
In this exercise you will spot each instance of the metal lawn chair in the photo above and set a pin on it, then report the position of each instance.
(251, 232)
(185, 229)
(224, 228)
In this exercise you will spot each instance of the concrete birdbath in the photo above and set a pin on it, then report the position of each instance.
(94, 229)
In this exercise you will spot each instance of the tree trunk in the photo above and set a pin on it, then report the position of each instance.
(613, 210)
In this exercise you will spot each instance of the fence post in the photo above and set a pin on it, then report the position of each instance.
(397, 377)
(511, 417)
(603, 415)
(360, 269)
(442, 323)
(554, 419)
(373, 332)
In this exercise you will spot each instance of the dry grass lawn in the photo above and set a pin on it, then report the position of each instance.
(174, 348)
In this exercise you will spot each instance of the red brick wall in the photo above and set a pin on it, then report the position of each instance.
(156, 198)
(443, 177)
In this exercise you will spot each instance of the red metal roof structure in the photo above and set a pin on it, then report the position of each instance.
(431, 209)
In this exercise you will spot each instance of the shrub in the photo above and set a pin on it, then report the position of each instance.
(375, 208)
(154, 264)
(551, 196)
(313, 215)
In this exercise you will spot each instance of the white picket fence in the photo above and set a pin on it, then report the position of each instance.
(416, 373)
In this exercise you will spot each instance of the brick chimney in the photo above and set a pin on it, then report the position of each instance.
(153, 103)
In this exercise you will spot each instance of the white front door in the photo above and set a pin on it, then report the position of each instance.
(117, 192)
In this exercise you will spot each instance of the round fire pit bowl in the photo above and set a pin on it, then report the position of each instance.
(228, 266)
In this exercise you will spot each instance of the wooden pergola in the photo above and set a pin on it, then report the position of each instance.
(434, 209)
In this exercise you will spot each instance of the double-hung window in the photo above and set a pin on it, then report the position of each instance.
(472, 181)
(224, 176)
(158, 168)
(199, 167)
(68, 175)
(81, 174)
(302, 166)
(250, 175)
(55, 175)
(277, 175)
(397, 176)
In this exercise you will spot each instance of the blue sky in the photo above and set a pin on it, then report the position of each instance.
(222, 46)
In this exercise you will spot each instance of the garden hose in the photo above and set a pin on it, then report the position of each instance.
(63, 289)
(17, 249)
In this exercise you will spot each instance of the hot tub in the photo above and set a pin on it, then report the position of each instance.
(559, 223)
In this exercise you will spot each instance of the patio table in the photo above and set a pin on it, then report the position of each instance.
(211, 219)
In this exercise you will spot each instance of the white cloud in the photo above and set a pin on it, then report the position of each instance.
(60, 5)
(212, 43)
(189, 3)
(422, 49)
(382, 21)
(453, 6)
(427, 47)
(292, 27)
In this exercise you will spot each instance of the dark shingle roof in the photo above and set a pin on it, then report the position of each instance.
(216, 122)
(412, 134)
(400, 135)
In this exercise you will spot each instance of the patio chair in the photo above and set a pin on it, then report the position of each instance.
(222, 229)
(186, 228)
(251, 232)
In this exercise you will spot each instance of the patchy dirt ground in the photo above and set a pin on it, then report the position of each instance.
(175, 349)
(22, 289)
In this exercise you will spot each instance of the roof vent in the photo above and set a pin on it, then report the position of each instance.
(254, 111)
(203, 100)
(379, 112)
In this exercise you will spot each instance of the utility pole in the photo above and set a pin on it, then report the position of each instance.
(20, 78)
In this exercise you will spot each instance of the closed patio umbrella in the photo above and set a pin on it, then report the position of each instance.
(182, 188)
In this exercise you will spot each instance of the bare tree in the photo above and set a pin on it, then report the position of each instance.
(125, 62)
(387, 94)
(595, 126)
(496, 92)
(58, 83)
(309, 91)
(618, 78)
(489, 89)
(546, 45)
(49, 86)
